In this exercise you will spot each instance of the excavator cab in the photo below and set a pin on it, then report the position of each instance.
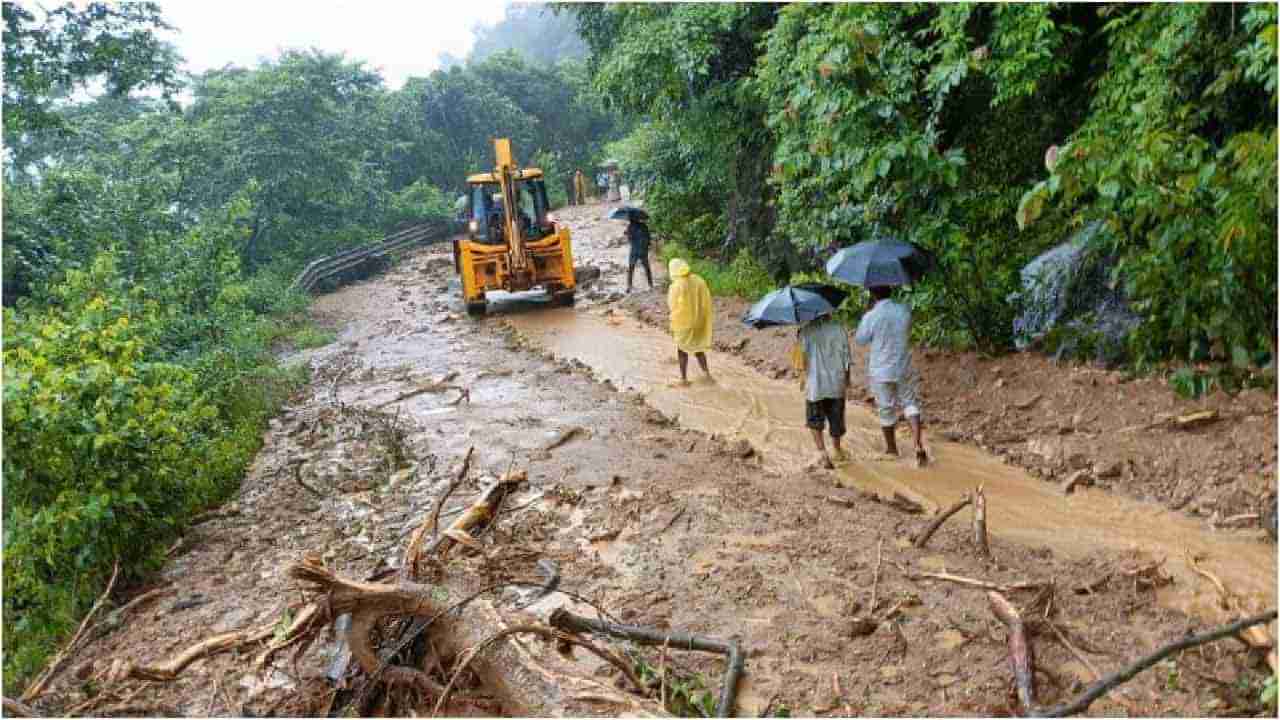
(512, 242)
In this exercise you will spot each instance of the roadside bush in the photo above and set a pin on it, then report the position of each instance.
(745, 277)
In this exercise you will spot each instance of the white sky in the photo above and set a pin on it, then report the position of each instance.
(400, 39)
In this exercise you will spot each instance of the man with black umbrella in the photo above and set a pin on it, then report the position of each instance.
(826, 362)
(890, 376)
(638, 238)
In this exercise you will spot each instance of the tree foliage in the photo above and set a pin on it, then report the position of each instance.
(534, 32)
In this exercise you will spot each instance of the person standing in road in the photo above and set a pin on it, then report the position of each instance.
(638, 238)
(890, 377)
(827, 361)
(579, 188)
(689, 301)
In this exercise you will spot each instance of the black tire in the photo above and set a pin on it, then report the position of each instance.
(477, 309)
(565, 299)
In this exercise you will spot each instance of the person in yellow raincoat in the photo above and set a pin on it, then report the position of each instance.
(689, 301)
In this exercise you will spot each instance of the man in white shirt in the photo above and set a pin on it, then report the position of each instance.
(890, 377)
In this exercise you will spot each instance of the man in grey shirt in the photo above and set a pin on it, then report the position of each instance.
(827, 362)
(890, 377)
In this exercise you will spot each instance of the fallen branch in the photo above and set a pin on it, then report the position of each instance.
(209, 646)
(1105, 685)
(547, 633)
(13, 708)
(565, 620)
(937, 521)
(875, 578)
(42, 681)
(979, 584)
(1062, 638)
(980, 523)
(436, 386)
(1021, 657)
(565, 437)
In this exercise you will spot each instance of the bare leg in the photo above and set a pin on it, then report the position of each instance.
(835, 447)
(702, 360)
(684, 365)
(648, 273)
(822, 449)
(890, 442)
(631, 270)
(918, 434)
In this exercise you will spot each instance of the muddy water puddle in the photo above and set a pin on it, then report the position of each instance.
(743, 403)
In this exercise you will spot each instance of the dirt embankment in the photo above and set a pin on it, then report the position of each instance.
(661, 526)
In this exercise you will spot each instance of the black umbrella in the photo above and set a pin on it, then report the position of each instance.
(626, 212)
(794, 305)
(880, 262)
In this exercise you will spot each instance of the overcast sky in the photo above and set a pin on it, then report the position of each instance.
(401, 39)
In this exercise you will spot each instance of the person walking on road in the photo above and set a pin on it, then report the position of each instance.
(638, 238)
(689, 301)
(579, 188)
(827, 361)
(890, 377)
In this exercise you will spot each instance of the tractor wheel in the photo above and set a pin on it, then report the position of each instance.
(476, 309)
(565, 299)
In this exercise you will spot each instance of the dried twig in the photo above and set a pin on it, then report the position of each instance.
(875, 578)
(980, 523)
(37, 688)
(979, 584)
(938, 519)
(1021, 659)
(1105, 685)
(1062, 638)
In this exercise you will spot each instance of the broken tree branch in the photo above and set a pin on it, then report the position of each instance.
(980, 523)
(979, 584)
(440, 385)
(13, 708)
(1062, 638)
(565, 620)
(875, 578)
(37, 688)
(1021, 659)
(938, 519)
(1110, 682)
(548, 633)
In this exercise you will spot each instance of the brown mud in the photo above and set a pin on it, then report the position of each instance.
(653, 507)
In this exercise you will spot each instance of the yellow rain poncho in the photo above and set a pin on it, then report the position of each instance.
(690, 303)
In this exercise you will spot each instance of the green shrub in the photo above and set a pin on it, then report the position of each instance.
(745, 277)
(109, 447)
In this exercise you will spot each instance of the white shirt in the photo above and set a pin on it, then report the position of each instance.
(826, 351)
(887, 329)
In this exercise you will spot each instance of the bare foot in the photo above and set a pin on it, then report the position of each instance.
(678, 384)
(821, 460)
(841, 455)
(922, 458)
(708, 380)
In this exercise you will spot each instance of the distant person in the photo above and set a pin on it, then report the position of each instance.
(890, 377)
(579, 188)
(638, 238)
(615, 191)
(826, 363)
(689, 301)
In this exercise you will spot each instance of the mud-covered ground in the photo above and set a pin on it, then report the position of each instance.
(663, 526)
(1055, 419)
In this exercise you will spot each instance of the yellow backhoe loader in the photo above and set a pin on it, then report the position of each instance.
(513, 243)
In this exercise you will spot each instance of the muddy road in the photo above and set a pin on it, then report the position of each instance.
(676, 509)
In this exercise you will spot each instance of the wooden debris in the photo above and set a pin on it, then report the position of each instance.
(875, 578)
(435, 386)
(1194, 419)
(37, 687)
(13, 708)
(980, 523)
(941, 517)
(1110, 682)
(1021, 657)
(1079, 477)
(565, 436)
(978, 584)
(904, 503)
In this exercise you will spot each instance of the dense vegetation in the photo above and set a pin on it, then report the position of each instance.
(148, 250)
(785, 132)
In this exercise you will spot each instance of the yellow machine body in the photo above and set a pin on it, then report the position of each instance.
(512, 251)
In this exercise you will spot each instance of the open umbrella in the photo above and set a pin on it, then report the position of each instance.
(627, 212)
(794, 305)
(880, 262)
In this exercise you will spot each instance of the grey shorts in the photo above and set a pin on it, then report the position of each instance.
(827, 411)
(894, 396)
